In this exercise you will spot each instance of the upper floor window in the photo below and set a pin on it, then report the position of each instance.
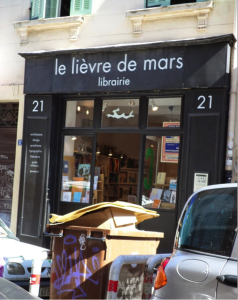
(155, 3)
(43, 9)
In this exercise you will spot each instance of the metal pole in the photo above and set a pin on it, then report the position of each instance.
(149, 271)
(36, 273)
(115, 271)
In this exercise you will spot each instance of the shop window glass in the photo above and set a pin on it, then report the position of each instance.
(76, 171)
(160, 172)
(116, 167)
(120, 113)
(79, 113)
(161, 110)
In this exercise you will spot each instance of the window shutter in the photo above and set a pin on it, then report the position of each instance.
(80, 7)
(153, 3)
(36, 9)
(51, 8)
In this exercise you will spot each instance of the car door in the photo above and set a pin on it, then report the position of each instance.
(227, 280)
(191, 276)
(204, 242)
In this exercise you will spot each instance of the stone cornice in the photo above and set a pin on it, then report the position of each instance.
(200, 10)
(73, 23)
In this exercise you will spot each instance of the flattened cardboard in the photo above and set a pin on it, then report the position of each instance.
(108, 218)
(122, 217)
(100, 219)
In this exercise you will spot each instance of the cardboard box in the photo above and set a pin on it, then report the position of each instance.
(107, 218)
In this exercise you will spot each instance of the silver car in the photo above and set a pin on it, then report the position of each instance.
(204, 261)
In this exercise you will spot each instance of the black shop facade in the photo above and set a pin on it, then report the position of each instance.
(144, 124)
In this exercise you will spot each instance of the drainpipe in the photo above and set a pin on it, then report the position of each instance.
(231, 150)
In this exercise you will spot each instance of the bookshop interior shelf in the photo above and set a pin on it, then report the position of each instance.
(118, 183)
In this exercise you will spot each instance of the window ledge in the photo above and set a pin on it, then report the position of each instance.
(71, 22)
(200, 9)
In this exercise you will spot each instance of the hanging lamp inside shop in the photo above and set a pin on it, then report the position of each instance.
(131, 103)
(104, 106)
(171, 108)
(73, 138)
(82, 147)
(98, 150)
(78, 108)
(121, 156)
(110, 152)
(154, 106)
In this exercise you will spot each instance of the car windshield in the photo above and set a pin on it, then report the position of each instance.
(209, 222)
(5, 232)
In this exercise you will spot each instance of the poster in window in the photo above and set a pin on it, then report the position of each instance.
(170, 145)
(83, 169)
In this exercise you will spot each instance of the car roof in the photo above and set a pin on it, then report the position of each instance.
(211, 187)
(215, 187)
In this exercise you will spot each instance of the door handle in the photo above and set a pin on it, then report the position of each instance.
(49, 234)
(103, 239)
(230, 280)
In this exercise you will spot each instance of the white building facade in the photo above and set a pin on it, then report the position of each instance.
(64, 33)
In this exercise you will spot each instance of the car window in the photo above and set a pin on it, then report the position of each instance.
(5, 232)
(209, 222)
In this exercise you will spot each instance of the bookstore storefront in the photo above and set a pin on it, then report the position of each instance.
(140, 124)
